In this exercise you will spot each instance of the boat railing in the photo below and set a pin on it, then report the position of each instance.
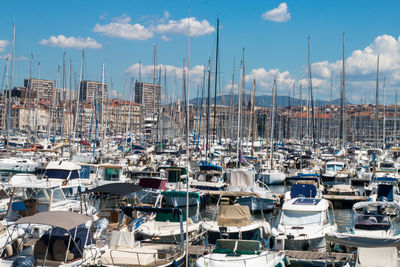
(157, 262)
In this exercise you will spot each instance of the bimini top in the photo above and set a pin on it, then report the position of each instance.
(210, 167)
(63, 165)
(119, 189)
(306, 204)
(385, 180)
(383, 204)
(353, 240)
(63, 219)
(181, 194)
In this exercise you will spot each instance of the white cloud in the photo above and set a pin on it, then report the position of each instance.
(147, 72)
(197, 27)
(165, 38)
(3, 45)
(265, 80)
(70, 42)
(124, 19)
(16, 58)
(166, 14)
(121, 28)
(279, 14)
(103, 16)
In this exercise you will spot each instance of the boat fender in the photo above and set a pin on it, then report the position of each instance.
(101, 227)
(305, 246)
(271, 242)
(24, 261)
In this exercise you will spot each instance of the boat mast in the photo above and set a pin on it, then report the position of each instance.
(395, 119)
(342, 101)
(253, 118)
(10, 87)
(377, 103)
(208, 107)
(37, 104)
(239, 111)
(384, 113)
(216, 83)
(271, 145)
(77, 110)
(311, 94)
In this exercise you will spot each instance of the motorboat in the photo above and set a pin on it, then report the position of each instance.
(259, 196)
(68, 241)
(164, 228)
(303, 224)
(304, 185)
(209, 177)
(124, 250)
(241, 253)
(235, 222)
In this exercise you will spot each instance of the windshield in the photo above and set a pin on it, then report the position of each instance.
(296, 218)
(58, 195)
(56, 174)
(387, 165)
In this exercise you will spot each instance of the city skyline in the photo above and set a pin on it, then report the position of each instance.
(273, 33)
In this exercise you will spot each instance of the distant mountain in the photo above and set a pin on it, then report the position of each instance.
(266, 101)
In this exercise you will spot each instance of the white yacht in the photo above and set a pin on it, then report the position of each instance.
(260, 196)
(303, 224)
(241, 253)
(209, 177)
(235, 222)
(331, 169)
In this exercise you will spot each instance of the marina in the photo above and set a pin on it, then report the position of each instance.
(165, 141)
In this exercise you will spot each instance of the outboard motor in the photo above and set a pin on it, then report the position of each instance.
(24, 261)
(101, 227)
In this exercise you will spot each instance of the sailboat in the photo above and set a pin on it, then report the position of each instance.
(268, 174)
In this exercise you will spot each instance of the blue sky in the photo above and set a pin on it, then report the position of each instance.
(123, 32)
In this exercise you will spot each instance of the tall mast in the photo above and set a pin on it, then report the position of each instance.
(377, 103)
(231, 105)
(77, 110)
(395, 120)
(187, 142)
(8, 110)
(216, 83)
(342, 102)
(10, 87)
(311, 93)
(208, 107)
(384, 113)
(271, 145)
(37, 104)
(102, 106)
(253, 118)
(239, 111)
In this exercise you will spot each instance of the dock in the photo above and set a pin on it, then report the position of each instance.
(342, 201)
(315, 258)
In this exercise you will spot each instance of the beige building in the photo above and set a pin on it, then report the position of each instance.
(88, 89)
(148, 95)
(45, 87)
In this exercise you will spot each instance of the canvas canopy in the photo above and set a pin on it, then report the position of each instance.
(63, 219)
(241, 178)
(383, 204)
(234, 215)
(119, 189)
(376, 257)
(353, 240)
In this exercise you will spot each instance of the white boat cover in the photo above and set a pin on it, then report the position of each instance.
(376, 257)
(241, 178)
(234, 215)
(353, 240)
(122, 240)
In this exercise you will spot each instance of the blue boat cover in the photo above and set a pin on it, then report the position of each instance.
(206, 167)
(303, 190)
(385, 191)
